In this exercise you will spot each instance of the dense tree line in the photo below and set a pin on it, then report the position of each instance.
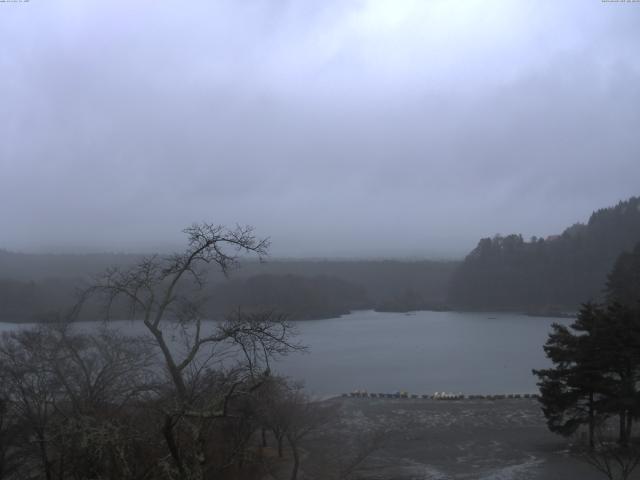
(502, 273)
(29, 301)
(383, 281)
(547, 275)
(301, 297)
(305, 289)
(596, 360)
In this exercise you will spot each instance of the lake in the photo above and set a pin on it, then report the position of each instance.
(419, 352)
(422, 352)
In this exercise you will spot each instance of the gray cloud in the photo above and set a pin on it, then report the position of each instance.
(337, 128)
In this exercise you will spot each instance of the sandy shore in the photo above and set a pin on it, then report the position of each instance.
(431, 439)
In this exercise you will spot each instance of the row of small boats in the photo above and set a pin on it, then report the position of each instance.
(438, 395)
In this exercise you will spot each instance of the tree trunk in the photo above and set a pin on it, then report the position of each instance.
(592, 421)
(61, 466)
(264, 437)
(623, 440)
(629, 424)
(167, 431)
(174, 372)
(296, 459)
(200, 455)
(46, 465)
(279, 437)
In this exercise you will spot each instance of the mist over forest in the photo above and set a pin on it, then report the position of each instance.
(552, 275)
(320, 240)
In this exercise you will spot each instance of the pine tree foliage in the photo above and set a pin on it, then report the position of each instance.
(555, 273)
(596, 360)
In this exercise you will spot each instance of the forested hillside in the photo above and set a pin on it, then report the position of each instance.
(301, 297)
(547, 275)
(502, 273)
(39, 287)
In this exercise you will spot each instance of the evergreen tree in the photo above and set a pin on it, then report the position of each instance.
(619, 362)
(623, 353)
(623, 283)
(555, 274)
(570, 390)
(596, 361)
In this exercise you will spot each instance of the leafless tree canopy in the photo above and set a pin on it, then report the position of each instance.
(68, 398)
(611, 458)
(168, 293)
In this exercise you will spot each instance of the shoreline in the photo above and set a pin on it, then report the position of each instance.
(432, 439)
(439, 396)
(490, 315)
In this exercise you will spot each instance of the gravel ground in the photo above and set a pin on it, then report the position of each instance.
(442, 439)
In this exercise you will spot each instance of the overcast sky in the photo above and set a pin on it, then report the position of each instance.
(336, 127)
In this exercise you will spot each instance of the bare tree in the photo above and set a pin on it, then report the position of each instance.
(168, 293)
(9, 430)
(289, 414)
(364, 445)
(614, 460)
(30, 391)
(68, 399)
(305, 417)
(274, 412)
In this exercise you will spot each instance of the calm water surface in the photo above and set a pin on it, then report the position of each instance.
(420, 352)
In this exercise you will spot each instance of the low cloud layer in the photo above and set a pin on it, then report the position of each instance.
(337, 128)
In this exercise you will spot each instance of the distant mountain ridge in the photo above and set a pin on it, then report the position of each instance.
(553, 274)
(42, 266)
